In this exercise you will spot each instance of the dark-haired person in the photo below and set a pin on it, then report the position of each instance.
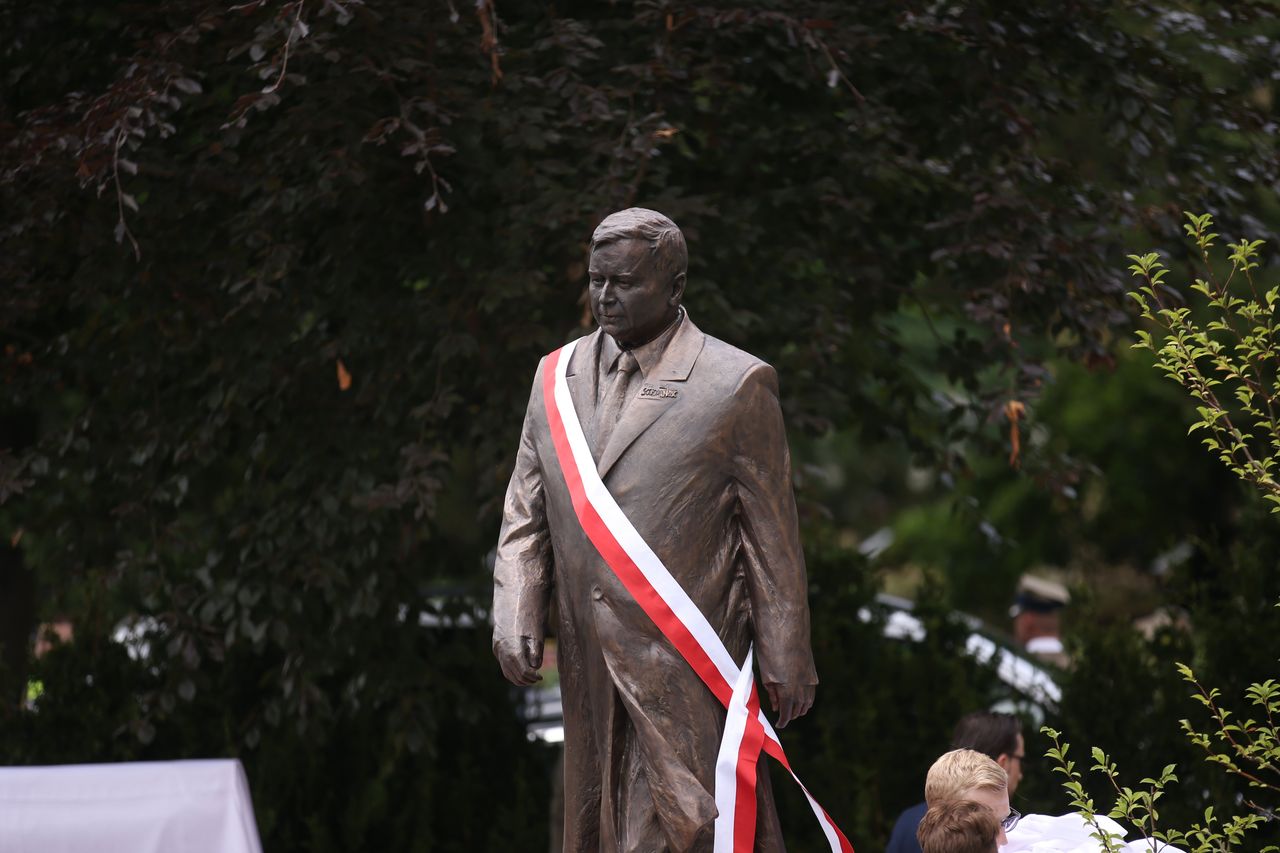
(996, 735)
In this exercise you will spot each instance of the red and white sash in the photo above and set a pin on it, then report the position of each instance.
(736, 768)
(678, 618)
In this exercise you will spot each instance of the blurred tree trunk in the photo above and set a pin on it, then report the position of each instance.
(17, 586)
(17, 621)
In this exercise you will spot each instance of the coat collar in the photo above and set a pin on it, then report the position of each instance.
(675, 365)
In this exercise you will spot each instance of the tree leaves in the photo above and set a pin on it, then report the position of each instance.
(878, 198)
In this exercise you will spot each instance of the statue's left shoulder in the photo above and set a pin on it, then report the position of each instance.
(727, 360)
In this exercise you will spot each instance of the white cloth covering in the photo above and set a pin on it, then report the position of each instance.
(1068, 833)
(136, 807)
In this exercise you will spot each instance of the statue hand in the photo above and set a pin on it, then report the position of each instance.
(790, 700)
(520, 659)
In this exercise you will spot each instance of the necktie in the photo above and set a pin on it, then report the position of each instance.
(616, 396)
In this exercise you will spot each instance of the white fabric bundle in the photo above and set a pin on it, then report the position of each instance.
(1068, 833)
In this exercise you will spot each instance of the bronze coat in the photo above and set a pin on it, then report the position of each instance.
(705, 477)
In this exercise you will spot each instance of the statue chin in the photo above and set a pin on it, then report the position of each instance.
(610, 328)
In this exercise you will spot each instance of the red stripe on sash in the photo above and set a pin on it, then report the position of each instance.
(744, 812)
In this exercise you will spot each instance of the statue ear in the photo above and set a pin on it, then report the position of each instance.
(677, 288)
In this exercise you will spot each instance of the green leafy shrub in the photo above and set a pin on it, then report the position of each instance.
(1225, 356)
(1228, 362)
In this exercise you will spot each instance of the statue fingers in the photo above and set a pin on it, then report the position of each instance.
(787, 712)
(806, 700)
(515, 663)
(533, 652)
(509, 672)
(520, 675)
(771, 688)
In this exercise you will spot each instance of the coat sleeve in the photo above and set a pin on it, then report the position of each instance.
(771, 556)
(522, 572)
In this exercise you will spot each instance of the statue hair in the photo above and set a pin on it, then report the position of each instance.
(639, 223)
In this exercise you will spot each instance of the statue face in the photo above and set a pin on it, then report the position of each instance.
(631, 298)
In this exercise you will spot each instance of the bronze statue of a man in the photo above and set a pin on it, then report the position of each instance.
(687, 435)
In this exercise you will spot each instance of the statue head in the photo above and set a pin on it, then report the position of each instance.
(637, 274)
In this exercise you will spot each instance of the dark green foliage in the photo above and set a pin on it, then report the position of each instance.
(1109, 479)
(275, 278)
(886, 707)
(412, 771)
(1123, 685)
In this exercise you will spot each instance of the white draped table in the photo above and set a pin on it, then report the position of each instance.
(137, 807)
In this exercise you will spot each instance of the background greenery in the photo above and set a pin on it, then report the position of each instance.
(275, 277)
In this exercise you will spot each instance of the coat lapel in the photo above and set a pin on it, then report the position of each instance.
(675, 366)
(582, 376)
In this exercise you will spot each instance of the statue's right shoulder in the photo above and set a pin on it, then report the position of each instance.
(581, 351)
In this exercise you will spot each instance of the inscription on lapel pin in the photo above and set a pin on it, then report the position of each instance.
(658, 391)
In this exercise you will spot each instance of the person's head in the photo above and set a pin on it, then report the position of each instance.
(958, 826)
(1037, 608)
(638, 268)
(964, 774)
(1030, 624)
(996, 735)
